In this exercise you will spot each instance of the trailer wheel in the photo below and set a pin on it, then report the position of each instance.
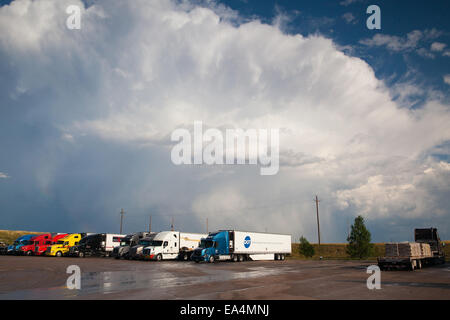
(282, 257)
(234, 258)
(81, 254)
(412, 265)
(276, 256)
(211, 259)
(241, 258)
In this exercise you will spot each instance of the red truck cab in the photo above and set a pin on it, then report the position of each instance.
(40, 249)
(29, 247)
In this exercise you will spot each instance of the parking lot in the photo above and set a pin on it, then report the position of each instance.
(107, 278)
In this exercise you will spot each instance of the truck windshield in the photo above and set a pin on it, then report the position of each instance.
(60, 242)
(125, 243)
(156, 243)
(145, 243)
(206, 243)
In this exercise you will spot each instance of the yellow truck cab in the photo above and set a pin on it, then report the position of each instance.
(62, 246)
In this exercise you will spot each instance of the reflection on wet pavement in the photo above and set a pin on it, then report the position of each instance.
(158, 279)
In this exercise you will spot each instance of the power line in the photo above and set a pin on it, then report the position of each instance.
(318, 223)
(150, 225)
(121, 219)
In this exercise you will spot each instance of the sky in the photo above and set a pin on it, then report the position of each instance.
(86, 115)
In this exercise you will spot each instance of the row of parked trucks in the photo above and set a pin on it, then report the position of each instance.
(230, 245)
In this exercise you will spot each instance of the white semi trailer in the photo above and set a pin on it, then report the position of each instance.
(237, 245)
(172, 245)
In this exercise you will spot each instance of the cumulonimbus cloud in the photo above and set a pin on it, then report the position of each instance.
(138, 70)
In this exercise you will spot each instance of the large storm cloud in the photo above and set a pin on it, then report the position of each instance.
(86, 118)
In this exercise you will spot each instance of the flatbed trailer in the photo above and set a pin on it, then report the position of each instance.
(410, 263)
(424, 237)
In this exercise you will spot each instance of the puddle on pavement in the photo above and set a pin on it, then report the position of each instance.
(158, 279)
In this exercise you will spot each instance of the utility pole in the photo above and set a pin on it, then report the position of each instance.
(171, 227)
(150, 225)
(318, 223)
(206, 225)
(121, 219)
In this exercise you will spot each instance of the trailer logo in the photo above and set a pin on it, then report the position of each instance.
(247, 241)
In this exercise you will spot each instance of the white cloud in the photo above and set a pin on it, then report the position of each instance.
(349, 17)
(447, 79)
(412, 42)
(346, 3)
(141, 69)
(3, 175)
(437, 46)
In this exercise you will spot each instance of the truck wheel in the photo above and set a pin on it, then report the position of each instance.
(282, 257)
(59, 254)
(411, 267)
(81, 254)
(185, 257)
(159, 257)
(211, 259)
(235, 258)
(419, 264)
(276, 256)
(29, 253)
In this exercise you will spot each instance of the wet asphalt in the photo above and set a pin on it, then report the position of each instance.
(108, 278)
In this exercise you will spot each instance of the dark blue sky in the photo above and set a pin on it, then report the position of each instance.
(398, 19)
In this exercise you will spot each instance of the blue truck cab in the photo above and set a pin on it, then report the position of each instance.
(21, 241)
(212, 247)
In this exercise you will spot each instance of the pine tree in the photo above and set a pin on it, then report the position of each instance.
(306, 248)
(359, 245)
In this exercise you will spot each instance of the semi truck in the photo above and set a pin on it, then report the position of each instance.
(98, 244)
(172, 245)
(29, 247)
(18, 243)
(62, 246)
(238, 246)
(130, 240)
(426, 250)
(40, 249)
(136, 252)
